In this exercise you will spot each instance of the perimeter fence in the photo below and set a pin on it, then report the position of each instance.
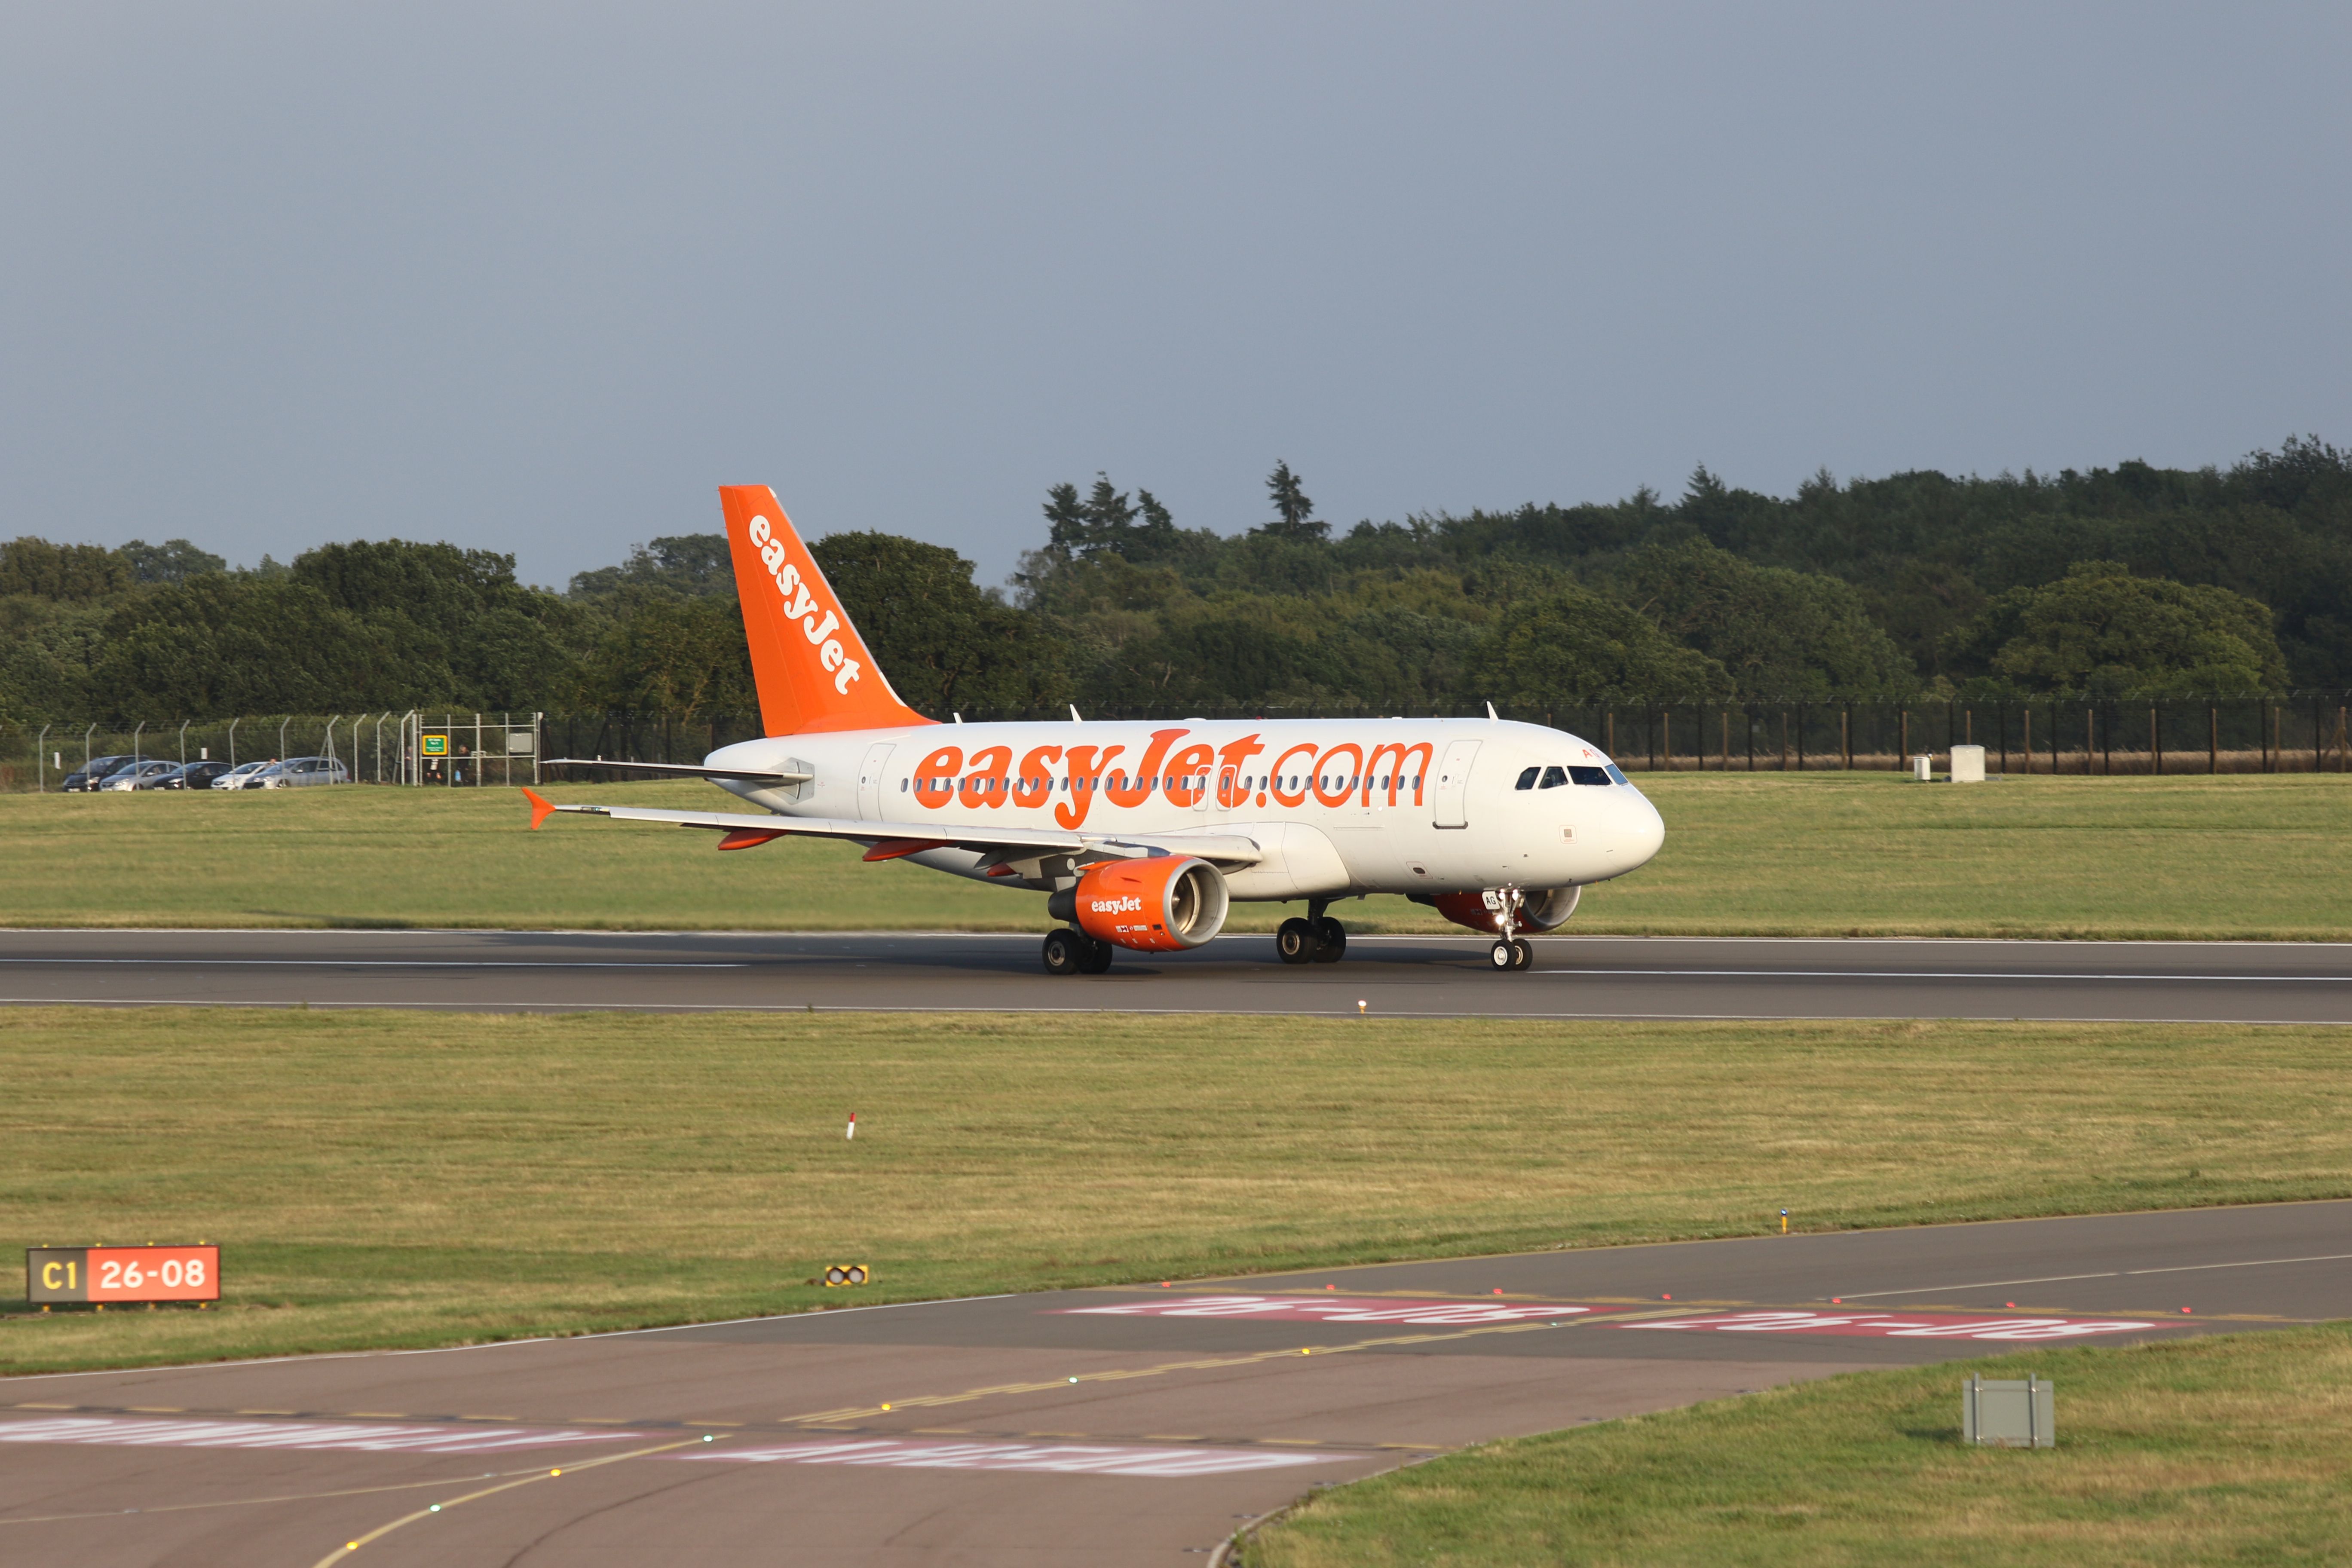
(2304, 733)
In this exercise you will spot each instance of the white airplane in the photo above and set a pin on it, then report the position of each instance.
(1143, 835)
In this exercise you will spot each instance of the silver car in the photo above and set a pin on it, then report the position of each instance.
(296, 772)
(132, 775)
(240, 775)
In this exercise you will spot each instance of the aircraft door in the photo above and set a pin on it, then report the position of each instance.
(870, 775)
(1452, 796)
(1227, 777)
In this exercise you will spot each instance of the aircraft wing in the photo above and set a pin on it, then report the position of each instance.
(892, 840)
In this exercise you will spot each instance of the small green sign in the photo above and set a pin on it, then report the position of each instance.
(437, 745)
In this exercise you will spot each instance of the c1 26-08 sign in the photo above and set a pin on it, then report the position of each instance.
(106, 1274)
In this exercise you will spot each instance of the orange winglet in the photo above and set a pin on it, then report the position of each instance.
(749, 839)
(542, 808)
(891, 848)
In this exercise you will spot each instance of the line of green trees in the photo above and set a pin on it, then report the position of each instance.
(2131, 580)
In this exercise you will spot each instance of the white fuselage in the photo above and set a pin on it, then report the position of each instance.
(1337, 807)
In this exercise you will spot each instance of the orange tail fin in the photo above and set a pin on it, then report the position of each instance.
(813, 671)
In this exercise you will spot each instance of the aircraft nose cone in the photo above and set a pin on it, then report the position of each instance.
(1646, 834)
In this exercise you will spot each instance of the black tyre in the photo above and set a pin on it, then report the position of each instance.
(1523, 953)
(1063, 955)
(1503, 956)
(1331, 939)
(1097, 958)
(1295, 942)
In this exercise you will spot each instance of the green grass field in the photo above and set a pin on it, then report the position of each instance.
(2235, 1449)
(1817, 854)
(396, 1179)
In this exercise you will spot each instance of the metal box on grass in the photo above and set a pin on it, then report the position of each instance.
(2009, 1414)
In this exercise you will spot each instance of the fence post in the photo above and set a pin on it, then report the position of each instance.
(2213, 737)
(2027, 709)
(2155, 742)
(1845, 737)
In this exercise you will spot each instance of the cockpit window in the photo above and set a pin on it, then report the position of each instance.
(1553, 778)
(1589, 776)
(1527, 778)
(1616, 775)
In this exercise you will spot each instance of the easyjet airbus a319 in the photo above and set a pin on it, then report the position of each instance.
(1143, 835)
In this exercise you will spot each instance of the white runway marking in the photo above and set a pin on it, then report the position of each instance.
(2109, 1273)
(1924, 975)
(1323, 1309)
(154, 963)
(122, 1431)
(1909, 1326)
(1058, 1458)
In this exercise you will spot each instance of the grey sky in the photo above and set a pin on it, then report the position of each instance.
(538, 278)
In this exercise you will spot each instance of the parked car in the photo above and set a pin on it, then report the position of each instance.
(295, 773)
(241, 776)
(140, 774)
(195, 775)
(91, 774)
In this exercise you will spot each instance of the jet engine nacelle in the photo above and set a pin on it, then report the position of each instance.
(1546, 910)
(1158, 905)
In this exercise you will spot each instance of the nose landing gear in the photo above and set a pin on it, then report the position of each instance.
(1510, 952)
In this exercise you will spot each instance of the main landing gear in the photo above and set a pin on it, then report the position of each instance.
(1075, 952)
(1317, 939)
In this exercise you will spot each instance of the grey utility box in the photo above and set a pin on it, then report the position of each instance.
(2007, 1413)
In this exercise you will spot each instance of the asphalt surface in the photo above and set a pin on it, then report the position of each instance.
(1574, 977)
(1138, 1426)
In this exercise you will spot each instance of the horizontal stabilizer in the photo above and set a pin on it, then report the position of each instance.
(678, 771)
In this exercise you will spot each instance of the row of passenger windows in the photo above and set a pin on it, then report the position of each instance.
(1552, 778)
(991, 784)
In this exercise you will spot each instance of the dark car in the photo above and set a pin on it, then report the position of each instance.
(195, 775)
(91, 774)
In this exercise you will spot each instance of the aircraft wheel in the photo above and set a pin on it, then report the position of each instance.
(1097, 958)
(1295, 941)
(1063, 955)
(1503, 956)
(1331, 939)
(1523, 953)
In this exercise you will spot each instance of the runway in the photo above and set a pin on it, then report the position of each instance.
(1404, 976)
(1138, 1426)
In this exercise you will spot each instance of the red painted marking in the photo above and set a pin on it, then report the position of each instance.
(1324, 1310)
(1898, 1325)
